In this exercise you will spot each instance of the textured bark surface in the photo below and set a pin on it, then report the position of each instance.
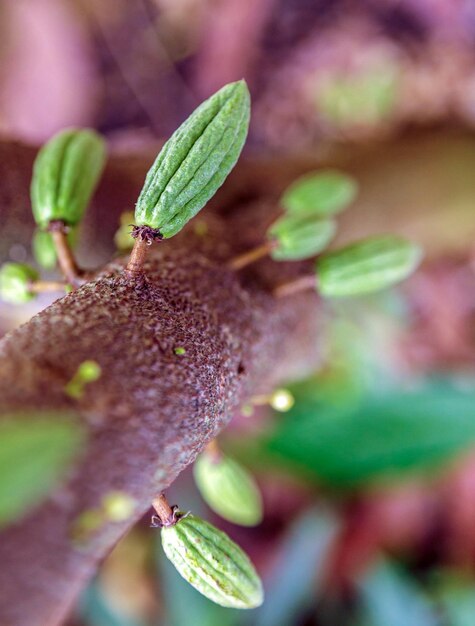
(152, 411)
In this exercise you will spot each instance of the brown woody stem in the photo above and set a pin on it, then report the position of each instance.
(162, 508)
(66, 260)
(137, 257)
(213, 450)
(241, 261)
(304, 283)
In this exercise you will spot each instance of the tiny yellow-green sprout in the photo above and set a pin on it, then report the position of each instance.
(86, 524)
(296, 237)
(87, 372)
(179, 351)
(366, 266)
(322, 193)
(212, 563)
(15, 281)
(228, 488)
(201, 228)
(247, 410)
(282, 400)
(122, 238)
(118, 506)
(65, 174)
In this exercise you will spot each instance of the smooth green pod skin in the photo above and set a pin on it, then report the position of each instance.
(229, 489)
(366, 266)
(322, 193)
(65, 174)
(43, 249)
(15, 279)
(299, 237)
(195, 161)
(212, 563)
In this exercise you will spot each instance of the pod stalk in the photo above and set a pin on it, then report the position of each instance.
(66, 261)
(251, 256)
(304, 283)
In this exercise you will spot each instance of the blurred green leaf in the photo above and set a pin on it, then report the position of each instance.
(298, 570)
(390, 598)
(456, 597)
(364, 97)
(35, 451)
(94, 608)
(369, 437)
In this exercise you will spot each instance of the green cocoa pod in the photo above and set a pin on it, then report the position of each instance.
(228, 488)
(212, 563)
(366, 266)
(322, 194)
(299, 237)
(194, 162)
(43, 249)
(15, 279)
(65, 174)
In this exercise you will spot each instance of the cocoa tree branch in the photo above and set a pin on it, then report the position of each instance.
(150, 413)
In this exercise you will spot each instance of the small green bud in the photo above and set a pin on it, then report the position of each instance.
(320, 194)
(118, 506)
(65, 174)
(228, 488)
(195, 161)
(15, 280)
(122, 237)
(212, 563)
(87, 372)
(282, 400)
(297, 237)
(366, 266)
(179, 351)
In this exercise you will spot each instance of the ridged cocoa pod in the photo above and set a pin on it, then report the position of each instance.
(228, 488)
(65, 174)
(366, 266)
(195, 161)
(212, 563)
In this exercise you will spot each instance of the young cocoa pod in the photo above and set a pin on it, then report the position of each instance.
(299, 237)
(228, 488)
(322, 193)
(195, 161)
(65, 174)
(15, 279)
(366, 266)
(212, 563)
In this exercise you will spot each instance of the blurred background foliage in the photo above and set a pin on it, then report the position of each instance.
(369, 480)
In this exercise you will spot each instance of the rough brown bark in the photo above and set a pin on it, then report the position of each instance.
(152, 411)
